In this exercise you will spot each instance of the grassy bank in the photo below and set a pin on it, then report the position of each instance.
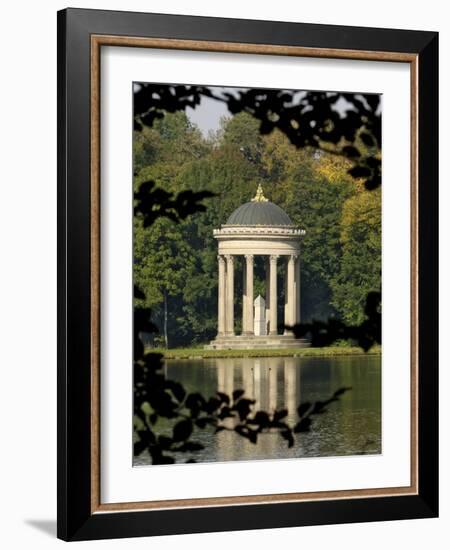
(199, 353)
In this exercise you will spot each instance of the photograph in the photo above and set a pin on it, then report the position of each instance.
(257, 273)
(247, 273)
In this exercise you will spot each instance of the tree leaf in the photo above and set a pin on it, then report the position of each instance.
(182, 430)
(341, 391)
(190, 446)
(223, 397)
(367, 139)
(237, 394)
(287, 434)
(177, 389)
(351, 152)
(279, 415)
(303, 425)
(303, 408)
(139, 447)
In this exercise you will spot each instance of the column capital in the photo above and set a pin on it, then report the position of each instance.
(293, 257)
(249, 257)
(221, 258)
(274, 258)
(229, 258)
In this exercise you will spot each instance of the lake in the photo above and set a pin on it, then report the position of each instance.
(351, 426)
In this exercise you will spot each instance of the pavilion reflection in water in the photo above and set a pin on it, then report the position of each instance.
(274, 383)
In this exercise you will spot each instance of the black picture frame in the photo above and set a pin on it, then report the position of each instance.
(76, 519)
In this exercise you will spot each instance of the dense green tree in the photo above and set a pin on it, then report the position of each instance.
(162, 151)
(146, 148)
(360, 267)
(163, 261)
(315, 204)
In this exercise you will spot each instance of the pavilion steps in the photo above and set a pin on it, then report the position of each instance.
(257, 342)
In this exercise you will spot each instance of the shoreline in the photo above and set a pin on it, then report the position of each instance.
(199, 353)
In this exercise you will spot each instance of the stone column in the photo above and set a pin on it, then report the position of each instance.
(267, 296)
(286, 297)
(273, 296)
(229, 314)
(291, 307)
(247, 303)
(221, 325)
(297, 290)
(244, 298)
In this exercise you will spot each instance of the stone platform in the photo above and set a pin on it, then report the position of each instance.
(279, 341)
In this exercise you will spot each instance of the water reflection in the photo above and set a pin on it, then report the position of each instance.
(351, 426)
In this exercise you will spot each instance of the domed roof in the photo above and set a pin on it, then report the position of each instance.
(259, 211)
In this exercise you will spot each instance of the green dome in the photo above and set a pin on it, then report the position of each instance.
(259, 213)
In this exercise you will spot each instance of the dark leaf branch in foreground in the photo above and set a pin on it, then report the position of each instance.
(151, 101)
(152, 202)
(367, 334)
(157, 399)
(338, 123)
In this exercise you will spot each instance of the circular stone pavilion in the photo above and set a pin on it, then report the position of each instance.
(258, 228)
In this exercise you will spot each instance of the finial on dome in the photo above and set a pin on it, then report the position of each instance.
(259, 197)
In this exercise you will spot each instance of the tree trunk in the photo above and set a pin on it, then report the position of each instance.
(166, 337)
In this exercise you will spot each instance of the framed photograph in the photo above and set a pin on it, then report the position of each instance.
(247, 274)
